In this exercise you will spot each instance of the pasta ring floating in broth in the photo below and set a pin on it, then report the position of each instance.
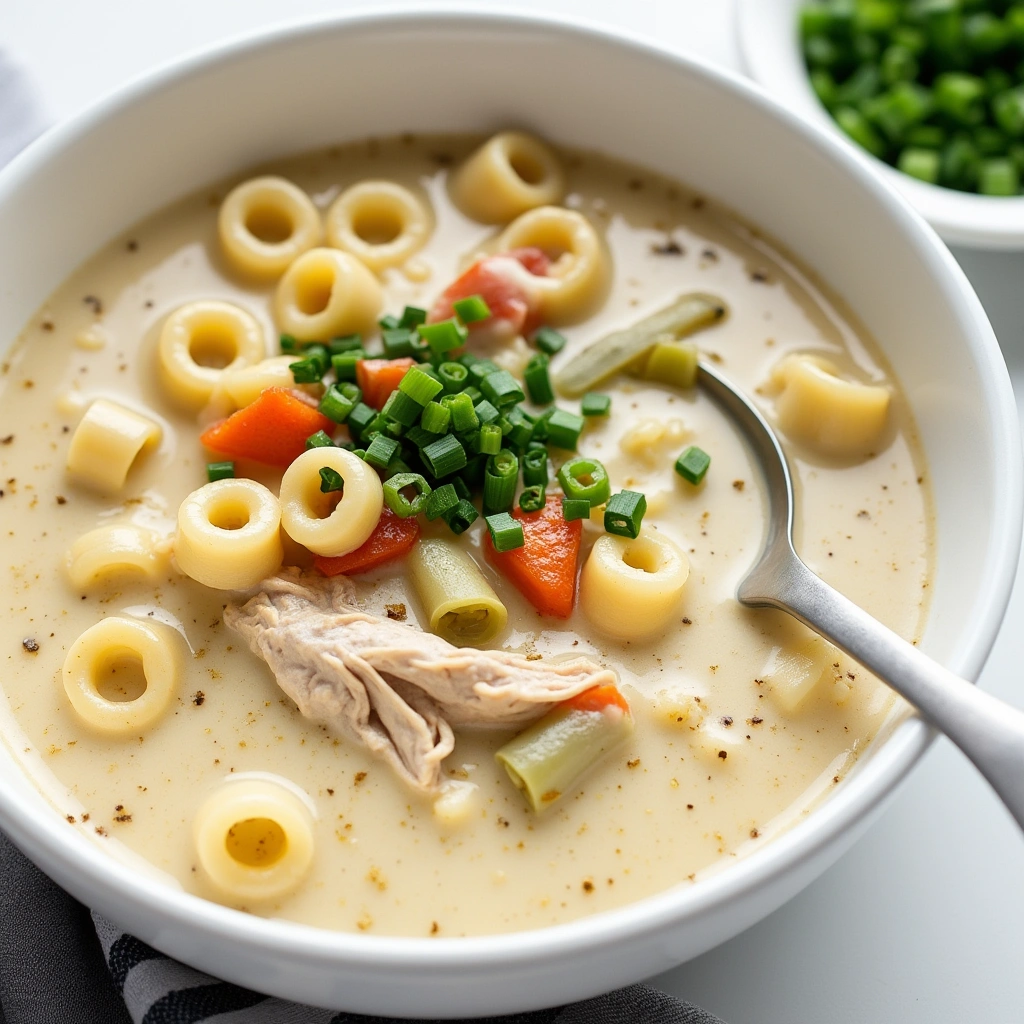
(106, 443)
(116, 551)
(265, 223)
(380, 223)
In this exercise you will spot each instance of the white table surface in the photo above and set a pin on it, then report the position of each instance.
(923, 921)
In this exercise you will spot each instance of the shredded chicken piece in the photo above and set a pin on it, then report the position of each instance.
(388, 684)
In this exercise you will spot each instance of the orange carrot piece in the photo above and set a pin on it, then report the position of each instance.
(379, 377)
(597, 698)
(544, 569)
(392, 537)
(271, 430)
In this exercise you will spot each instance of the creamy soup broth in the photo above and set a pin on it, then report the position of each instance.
(715, 767)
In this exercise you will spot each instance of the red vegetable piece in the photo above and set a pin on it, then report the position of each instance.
(392, 537)
(379, 377)
(271, 430)
(597, 698)
(544, 569)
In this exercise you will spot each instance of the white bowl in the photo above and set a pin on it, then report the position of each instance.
(209, 116)
(770, 47)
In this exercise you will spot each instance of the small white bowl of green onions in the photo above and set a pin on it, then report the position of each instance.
(930, 91)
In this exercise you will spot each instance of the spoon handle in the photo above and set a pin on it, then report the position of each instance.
(989, 731)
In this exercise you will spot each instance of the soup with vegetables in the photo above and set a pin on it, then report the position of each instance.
(372, 553)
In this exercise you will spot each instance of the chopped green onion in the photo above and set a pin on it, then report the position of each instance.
(320, 439)
(480, 368)
(673, 363)
(397, 343)
(471, 309)
(535, 467)
(388, 323)
(221, 470)
(419, 436)
(435, 418)
(960, 96)
(444, 336)
(398, 502)
(537, 381)
(998, 177)
(464, 416)
(474, 394)
(533, 499)
(624, 513)
(462, 488)
(462, 517)
(307, 371)
(360, 418)
(453, 376)
(444, 456)
(419, 385)
(564, 429)
(500, 477)
(289, 343)
(585, 478)
(501, 389)
(594, 404)
(381, 451)
(441, 501)
(349, 343)
(693, 464)
(922, 164)
(401, 408)
(485, 412)
(412, 316)
(506, 533)
(331, 480)
(860, 129)
(490, 439)
(336, 405)
(575, 508)
(549, 341)
(344, 363)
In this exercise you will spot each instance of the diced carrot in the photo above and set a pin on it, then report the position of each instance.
(597, 698)
(271, 430)
(379, 377)
(392, 537)
(512, 304)
(544, 568)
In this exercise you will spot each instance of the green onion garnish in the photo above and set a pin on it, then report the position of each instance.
(412, 316)
(490, 439)
(349, 343)
(419, 385)
(464, 416)
(575, 508)
(444, 456)
(337, 405)
(388, 323)
(500, 477)
(320, 439)
(564, 429)
(435, 418)
(535, 467)
(594, 404)
(289, 343)
(444, 336)
(360, 418)
(344, 363)
(453, 376)
(220, 470)
(549, 341)
(462, 517)
(462, 488)
(485, 412)
(693, 464)
(471, 309)
(397, 343)
(538, 383)
(381, 451)
(398, 502)
(442, 500)
(306, 371)
(585, 478)
(533, 498)
(506, 533)
(624, 513)
(331, 480)
(501, 389)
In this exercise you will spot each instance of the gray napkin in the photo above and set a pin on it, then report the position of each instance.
(58, 965)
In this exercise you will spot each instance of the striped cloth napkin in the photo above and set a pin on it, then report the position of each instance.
(58, 965)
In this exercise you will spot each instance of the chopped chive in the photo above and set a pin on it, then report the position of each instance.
(564, 429)
(435, 418)
(998, 177)
(289, 343)
(220, 470)
(381, 451)
(474, 394)
(585, 478)
(444, 456)
(594, 404)
(464, 416)
(462, 517)
(480, 368)
(453, 376)
(471, 309)
(306, 371)
(337, 406)
(398, 502)
(344, 364)
(419, 385)
(549, 341)
(624, 513)
(400, 408)
(412, 316)
(389, 322)
(533, 498)
(419, 436)
(522, 428)
(462, 488)
(485, 412)
(506, 533)
(500, 477)
(442, 500)
(349, 343)
(490, 439)
(537, 381)
(397, 343)
(535, 467)
(575, 508)
(331, 480)
(693, 464)
(502, 389)
(321, 439)
(360, 418)
(443, 336)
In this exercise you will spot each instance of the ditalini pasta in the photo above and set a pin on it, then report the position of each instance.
(348, 588)
(254, 838)
(106, 443)
(381, 223)
(512, 172)
(121, 674)
(265, 223)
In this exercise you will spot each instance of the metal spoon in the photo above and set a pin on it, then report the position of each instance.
(988, 731)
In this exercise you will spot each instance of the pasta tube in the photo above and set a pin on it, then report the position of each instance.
(106, 443)
(616, 351)
(116, 551)
(548, 759)
(460, 604)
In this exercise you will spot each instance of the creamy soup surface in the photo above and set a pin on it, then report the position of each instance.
(688, 794)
